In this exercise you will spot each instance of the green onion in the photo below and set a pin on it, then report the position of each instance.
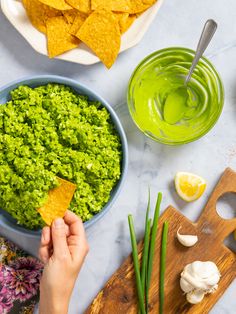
(136, 266)
(163, 266)
(146, 244)
(146, 271)
(152, 244)
(143, 276)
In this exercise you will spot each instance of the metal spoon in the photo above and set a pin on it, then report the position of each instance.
(206, 36)
(178, 98)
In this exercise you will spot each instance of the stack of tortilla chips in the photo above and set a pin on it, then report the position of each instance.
(97, 23)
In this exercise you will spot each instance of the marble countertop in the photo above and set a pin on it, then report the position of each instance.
(178, 23)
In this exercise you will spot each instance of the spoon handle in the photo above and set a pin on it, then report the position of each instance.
(206, 36)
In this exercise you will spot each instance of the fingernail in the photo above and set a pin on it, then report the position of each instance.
(58, 223)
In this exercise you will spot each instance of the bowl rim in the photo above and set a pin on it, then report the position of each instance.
(221, 89)
(39, 80)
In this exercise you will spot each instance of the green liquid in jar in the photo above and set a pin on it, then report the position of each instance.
(163, 107)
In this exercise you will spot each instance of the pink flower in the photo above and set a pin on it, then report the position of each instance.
(22, 277)
(6, 301)
(29, 263)
(1, 274)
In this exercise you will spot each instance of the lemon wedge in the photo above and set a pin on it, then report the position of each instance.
(189, 186)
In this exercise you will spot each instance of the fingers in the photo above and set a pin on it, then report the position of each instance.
(77, 242)
(75, 223)
(44, 250)
(67, 230)
(78, 248)
(60, 247)
(46, 236)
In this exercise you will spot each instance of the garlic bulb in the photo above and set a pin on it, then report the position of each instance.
(198, 279)
(187, 240)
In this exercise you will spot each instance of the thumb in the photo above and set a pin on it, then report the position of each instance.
(60, 247)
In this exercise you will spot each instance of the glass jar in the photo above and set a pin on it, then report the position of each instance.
(160, 74)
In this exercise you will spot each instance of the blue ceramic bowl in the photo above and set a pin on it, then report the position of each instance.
(5, 219)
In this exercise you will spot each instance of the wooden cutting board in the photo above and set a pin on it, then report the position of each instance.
(119, 294)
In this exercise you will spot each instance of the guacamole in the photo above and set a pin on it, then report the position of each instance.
(51, 131)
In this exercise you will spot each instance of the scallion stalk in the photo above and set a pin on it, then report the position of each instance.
(152, 244)
(163, 266)
(146, 245)
(136, 266)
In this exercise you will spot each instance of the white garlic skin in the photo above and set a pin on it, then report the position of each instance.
(199, 278)
(187, 240)
(195, 297)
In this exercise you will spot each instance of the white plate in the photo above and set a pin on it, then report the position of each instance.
(16, 14)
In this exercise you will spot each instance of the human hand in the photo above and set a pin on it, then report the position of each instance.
(63, 250)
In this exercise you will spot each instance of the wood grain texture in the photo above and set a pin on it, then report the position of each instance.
(119, 294)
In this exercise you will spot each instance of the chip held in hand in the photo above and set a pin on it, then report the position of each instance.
(58, 201)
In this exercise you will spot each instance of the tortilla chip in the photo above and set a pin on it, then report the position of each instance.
(59, 39)
(38, 13)
(113, 5)
(128, 6)
(101, 33)
(70, 15)
(137, 6)
(139, 14)
(58, 201)
(125, 20)
(78, 22)
(57, 4)
(80, 5)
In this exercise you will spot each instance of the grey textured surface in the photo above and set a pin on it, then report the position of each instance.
(178, 23)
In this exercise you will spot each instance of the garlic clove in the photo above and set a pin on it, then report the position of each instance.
(185, 285)
(195, 297)
(187, 240)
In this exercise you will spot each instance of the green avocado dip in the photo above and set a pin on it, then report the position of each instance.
(52, 131)
(167, 110)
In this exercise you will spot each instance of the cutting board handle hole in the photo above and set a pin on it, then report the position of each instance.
(226, 206)
(230, 243)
